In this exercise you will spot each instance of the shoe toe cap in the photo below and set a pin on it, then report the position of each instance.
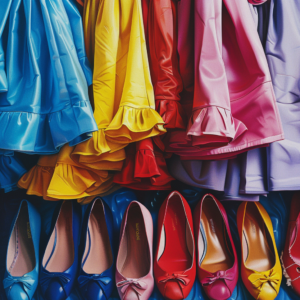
(16, 292)
(218, 291)
(55, 291)
(172, 291)
(93, 291)
(267, 293)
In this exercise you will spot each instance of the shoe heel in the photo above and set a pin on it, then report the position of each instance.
(284, 272)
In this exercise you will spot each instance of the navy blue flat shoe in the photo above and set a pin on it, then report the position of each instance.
(22, 258)
(97, 264)
(60, 261)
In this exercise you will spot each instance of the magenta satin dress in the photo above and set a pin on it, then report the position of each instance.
(234, 108)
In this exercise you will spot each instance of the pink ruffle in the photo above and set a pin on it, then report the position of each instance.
(213, 127)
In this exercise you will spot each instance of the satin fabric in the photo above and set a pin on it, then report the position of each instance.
(123, 100)
(44, 95)
(160, 22)
(144, 168)
(252, 119)
(283, 54)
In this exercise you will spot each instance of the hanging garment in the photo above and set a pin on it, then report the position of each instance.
(123, 101)
(144, 168)
(241, 72)
(160, 19)
(236, 177)
(44, 79)
(65, 171)
(283, 54)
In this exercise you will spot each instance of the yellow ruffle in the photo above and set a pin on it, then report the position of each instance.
(71, 180)
(106, 161)
(37, 179)
(134, 124)
(97, 145)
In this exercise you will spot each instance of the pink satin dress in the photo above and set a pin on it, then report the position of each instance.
(234, 108)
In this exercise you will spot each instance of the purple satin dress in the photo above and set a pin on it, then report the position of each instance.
(283, 54)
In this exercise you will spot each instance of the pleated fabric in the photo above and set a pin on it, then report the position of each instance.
(231, 59)
(283, 54)
(43, 105)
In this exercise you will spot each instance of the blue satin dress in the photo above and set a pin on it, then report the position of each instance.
(44, 77)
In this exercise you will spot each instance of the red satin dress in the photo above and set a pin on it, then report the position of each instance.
(145, 166)
(234, 108)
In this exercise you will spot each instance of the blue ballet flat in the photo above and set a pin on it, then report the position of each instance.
(22, 258)
(96, 278)
(60, 261)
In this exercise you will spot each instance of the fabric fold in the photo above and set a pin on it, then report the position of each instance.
(144, 168)
(230, 72)
(48, 107)
(37, 179)
(134, 124)
(212, 127)
(160, 23)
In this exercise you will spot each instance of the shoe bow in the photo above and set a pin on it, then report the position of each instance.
(46, 277)
(26, 280)
(101, 280)
(180, 278)
(258, 280)
(216, 276)
(137, 285)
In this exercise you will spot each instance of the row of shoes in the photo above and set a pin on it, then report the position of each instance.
(90, 264)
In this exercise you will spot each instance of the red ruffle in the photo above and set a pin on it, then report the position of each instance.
(144, 168)
(171, 111)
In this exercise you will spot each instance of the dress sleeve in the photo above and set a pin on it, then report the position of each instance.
(162, 45)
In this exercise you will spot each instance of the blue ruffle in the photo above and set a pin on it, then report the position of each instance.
(45, 134)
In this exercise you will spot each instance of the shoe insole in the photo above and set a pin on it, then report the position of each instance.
(218, 256)
(98, 254)
(59, 254)
(176, 255)
(135, 246)
(21, 255)
(257, 245)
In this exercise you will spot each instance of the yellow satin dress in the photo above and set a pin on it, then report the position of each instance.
(123, 100)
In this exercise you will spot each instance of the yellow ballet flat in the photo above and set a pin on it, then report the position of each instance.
(260, 267)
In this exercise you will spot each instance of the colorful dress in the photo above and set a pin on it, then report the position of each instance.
(44, 84)
(234, 108)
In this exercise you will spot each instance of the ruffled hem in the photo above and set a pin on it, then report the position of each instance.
(97, 145)
(212, 127)
(134, 124)
(11, 170)
(144, 170)
(47, 133)
(107, 161)
(38, 178)
(72, 182)
(171, 112)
